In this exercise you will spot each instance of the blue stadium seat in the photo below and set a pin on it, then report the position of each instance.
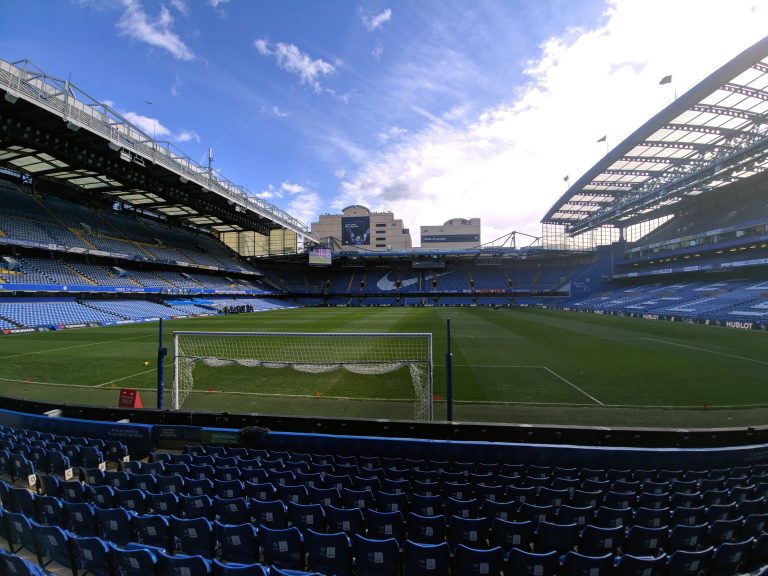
(196, 506)
(165, 503)
(131, 499)
(80, 518)
(22, 500)
(114, 524)
(237, 543)
(182, 565)
(688, 562)
(559, 537)
(219, 568)
(132, 561)
(629, 565)
(152, 530)
(271, 513)
(376, 557)
(687, 537)
(232, 510)
(228, 489)
(19, 532)
(596, 540)
(426, 529)
(730, 557)
(383, 525)
(328, 553)
(421, 559)
(474, 562)
(426, 505)
(91, 556)
(282, 547)
(348, 520)
(192, 536)
(260, 491)
(50, 511)
(52, 545)
(577, 564)
(305, 516)
(472, 532)
(644, 541)
(13, 565)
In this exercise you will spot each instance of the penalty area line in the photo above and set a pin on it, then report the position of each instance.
(572, 385)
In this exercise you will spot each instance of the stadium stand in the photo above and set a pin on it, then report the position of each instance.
(502, 514)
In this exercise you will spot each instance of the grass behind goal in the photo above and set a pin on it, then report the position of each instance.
(510, 365)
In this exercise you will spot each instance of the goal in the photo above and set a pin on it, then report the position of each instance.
(360, 353)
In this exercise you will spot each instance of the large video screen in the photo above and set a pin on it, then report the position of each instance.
(320, 257)
(355, 230)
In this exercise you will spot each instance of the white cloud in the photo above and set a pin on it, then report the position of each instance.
(305, 206)
(378, 50)
(274, 111)
(158, 32)
(339, 173)
(506, 165)
(291, 188)
(157, 130)
(293, 60)
(377, 20)
(176, 86)
(217, 3)
(268, 193)
(180, 6)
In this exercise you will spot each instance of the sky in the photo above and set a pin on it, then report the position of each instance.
(430, 109)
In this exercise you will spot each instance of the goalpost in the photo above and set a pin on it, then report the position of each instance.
(360, 353)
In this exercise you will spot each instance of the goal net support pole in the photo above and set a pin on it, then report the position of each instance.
(360, 353)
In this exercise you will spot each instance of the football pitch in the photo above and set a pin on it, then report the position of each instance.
(509, 365)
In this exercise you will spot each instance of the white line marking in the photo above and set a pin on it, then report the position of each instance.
(707, 351)
(130, 376)
(572, 385)
(76, 346)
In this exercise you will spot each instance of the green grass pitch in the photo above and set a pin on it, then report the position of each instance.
(510, 365)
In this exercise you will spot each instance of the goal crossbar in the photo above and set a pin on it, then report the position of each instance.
(358, 352)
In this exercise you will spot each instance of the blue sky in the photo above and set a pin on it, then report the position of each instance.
(432, 109)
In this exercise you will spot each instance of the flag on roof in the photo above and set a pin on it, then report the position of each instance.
(665, 80)
(603, 138)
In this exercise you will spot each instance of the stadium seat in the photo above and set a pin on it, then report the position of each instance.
(237, 543)
(282, 547)
(475, 562)
(192, 536)
(19, 532)
(182, 565)
(50, 511)
(114, 524)
(165, 503)
(559, 537)
(472, 532)
(52, 545)
(348, 520)
(232, 510)
(305, 516)
(196, 506)
(384, 525)
(152, 530)
(730, 557)
(80, 518)
(422, 559)
(578, 564)
(219, 568)
(328, 553)
(18, 566)
(271, 513)
(91, 556)
(132, 561)
(376, 557)
(596, 540)
(688, 562)
(629, 565)
(426, 529)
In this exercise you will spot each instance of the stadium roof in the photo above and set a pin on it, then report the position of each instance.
(711, 136)
(54, 130)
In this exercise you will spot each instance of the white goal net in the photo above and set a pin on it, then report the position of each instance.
(360, 353)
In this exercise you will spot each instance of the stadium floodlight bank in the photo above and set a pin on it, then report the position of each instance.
(315, 352)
